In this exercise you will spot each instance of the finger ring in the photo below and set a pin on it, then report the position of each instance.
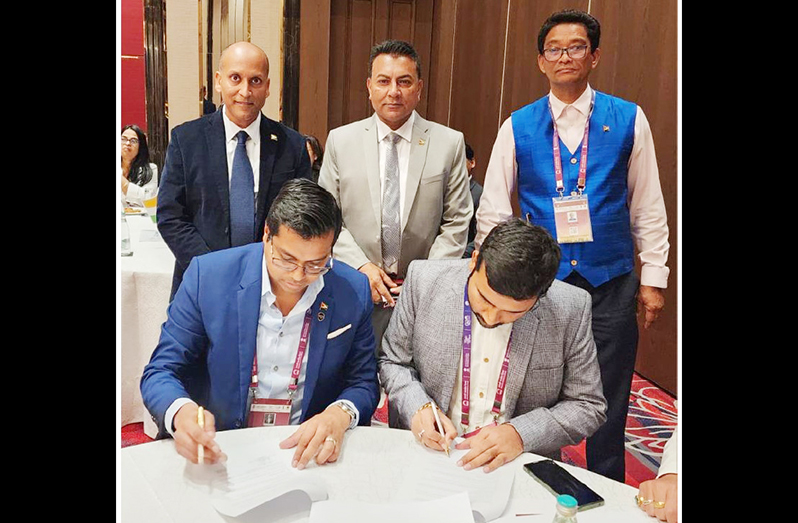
(330, 438)
(640, 500)
(659, 504)
(420, 433)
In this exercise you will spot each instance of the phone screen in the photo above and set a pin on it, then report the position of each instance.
(559, 481)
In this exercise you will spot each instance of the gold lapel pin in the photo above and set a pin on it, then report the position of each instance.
(421, 141)
(321, 316)
(606, 128)
(274, 137)
(323, 306)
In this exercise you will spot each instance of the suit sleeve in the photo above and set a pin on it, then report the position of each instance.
(457, 209)
(346, 248)
(179, 350)
(581, 408)
(174, 217)
(395, 358)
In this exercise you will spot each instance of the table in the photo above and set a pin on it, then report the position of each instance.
(146, 282)
(156, 483)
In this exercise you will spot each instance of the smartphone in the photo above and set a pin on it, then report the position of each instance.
(559, 481)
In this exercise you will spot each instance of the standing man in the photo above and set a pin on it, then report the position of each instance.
(223, 170)
(401, 181)
(268, 328)
(585, 168)
(504, 350)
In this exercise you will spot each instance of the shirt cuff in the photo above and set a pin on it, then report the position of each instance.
(356, 419)
(171, 411)
(654, 276)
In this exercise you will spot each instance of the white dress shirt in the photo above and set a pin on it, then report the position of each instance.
(253, 145)
(136, 193)
(403, 151)
(487, 355)
(645, 201)
(277, 341)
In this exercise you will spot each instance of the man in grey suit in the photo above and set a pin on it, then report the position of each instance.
(400, 180)
(522, 377)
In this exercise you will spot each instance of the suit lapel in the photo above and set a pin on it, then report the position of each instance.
(217, 152)
(524, 333)
(321, 312)
(419, 145)
(248, 301)
(372, 169)
(268, 148)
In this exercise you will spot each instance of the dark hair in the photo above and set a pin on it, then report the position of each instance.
(318, 150)
(306, 208)
(571, 16)
(469, 152)
(140, 172)
(521, 259)
(395, 48)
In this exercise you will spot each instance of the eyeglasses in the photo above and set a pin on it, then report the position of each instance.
(289, 266)
(575, 51)
(133, 141)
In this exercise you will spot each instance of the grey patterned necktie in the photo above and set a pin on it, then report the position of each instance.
(391, 221)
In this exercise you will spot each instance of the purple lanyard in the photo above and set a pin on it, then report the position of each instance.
(583, 160)
(497, 402)
(300, 355)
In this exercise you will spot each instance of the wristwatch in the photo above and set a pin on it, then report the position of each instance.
(349, 410)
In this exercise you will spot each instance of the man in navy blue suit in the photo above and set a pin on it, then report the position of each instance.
(265, 325)
(194, 198)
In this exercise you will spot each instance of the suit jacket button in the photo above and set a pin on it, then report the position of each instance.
(238, 423)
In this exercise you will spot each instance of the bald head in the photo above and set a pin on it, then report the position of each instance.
(243, 82)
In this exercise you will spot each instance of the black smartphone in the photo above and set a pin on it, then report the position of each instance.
(559, 481)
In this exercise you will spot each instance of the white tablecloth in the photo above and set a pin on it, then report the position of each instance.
(156, 484)
(146, 281)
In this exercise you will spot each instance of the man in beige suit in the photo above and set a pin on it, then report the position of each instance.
(401, 181)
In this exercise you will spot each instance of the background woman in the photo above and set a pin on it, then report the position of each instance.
(138, 174)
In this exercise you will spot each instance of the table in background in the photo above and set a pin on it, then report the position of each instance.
(155, 484)
(146, 282)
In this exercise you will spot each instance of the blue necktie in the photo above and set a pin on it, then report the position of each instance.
(242, 196)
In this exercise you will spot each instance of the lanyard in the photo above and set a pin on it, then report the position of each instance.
(300, 355)
(583, 160)
(497, 402)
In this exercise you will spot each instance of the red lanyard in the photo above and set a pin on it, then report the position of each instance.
(583, 160)
(300, 355)
(497, 402)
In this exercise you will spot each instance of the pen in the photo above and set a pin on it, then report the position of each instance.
(201, 422)
(440, 425)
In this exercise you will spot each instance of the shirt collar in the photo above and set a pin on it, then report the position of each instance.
(231, 129)
(581, 104)
(405, 131)
(308, 297)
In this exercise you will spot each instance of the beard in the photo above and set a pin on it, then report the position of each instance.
(484, 324)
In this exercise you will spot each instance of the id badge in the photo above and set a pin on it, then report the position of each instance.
(572, 219)
(264, 412)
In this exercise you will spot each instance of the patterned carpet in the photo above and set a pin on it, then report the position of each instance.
(651, 420)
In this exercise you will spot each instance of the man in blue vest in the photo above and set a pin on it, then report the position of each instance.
(586, 170)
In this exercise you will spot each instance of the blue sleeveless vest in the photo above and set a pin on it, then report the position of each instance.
(611, 253)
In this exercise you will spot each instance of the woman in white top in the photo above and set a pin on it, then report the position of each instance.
(138, 174)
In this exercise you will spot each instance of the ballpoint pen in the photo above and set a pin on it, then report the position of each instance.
(440, 425)
(200, 448)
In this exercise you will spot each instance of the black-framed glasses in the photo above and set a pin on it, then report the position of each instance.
(289, 266)
(133, 141)
(575, 51)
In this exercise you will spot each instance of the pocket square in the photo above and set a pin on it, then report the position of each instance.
(338, 332)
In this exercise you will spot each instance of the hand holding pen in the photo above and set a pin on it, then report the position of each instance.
(433, 428)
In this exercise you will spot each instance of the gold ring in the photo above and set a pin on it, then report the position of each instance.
(420, 433)
(330, 438)
(640, 500)
(659, 504)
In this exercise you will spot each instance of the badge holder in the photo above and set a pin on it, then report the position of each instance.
(572, 218)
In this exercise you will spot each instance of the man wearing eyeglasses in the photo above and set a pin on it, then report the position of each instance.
(585, 169)
(270, 333)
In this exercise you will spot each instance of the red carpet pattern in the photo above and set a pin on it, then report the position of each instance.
(651, 420)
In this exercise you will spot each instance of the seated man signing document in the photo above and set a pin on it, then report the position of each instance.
(246, 319)
(503, 350)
